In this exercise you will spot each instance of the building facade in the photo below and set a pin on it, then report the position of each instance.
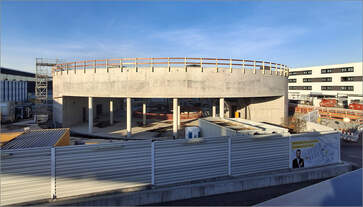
(15, 85)
(339, 80)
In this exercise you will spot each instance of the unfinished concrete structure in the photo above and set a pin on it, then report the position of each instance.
(255, 89)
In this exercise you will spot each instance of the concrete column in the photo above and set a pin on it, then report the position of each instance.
(178, 116)
(214, 109)
(221, 108)
(111, 112)
(175, 117)
(90, 114)
(128, 116)
(144, 113)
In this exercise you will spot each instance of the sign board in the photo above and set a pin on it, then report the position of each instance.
(311, 151)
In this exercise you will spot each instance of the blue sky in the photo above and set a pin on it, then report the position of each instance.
(296, 33)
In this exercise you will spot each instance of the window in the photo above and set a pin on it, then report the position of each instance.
(327, 88)
(292, 80)
(305, 72)
(352, 78)
(337, 88)
(307, 80)
(323, 71)
(346, 88)
(328, 79)
(300, 87)
(349, 69)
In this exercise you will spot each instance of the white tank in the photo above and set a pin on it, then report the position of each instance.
(6, 90)
(1, 91)
(26, 91)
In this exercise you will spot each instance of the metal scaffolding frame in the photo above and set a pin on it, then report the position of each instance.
(42, 76)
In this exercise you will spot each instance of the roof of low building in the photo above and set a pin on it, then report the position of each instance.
(36, 138)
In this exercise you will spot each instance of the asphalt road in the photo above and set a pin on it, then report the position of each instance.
(350, 152)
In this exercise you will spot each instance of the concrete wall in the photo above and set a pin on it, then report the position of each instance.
(209, 129)
(68, 111)
(176, 83)
(268, 109)
(143, 83)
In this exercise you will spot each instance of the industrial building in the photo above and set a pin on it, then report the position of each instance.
(16, 93)
(86, 91)
(334, 81)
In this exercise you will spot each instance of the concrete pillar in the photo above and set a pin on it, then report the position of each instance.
(221, 108)
(175, 117)
(144, 113)
(214, 109)
(90, 114)
(178, 116)
(111, 112)
(128, 116)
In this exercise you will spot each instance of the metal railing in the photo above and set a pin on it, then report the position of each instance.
(186, 62)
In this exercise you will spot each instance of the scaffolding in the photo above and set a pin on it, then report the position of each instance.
(42, 77)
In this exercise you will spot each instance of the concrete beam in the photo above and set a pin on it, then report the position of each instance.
(144, 113)
(221, 108)
(90, 114)
(175, 117)
(111, 112)
(128, 117)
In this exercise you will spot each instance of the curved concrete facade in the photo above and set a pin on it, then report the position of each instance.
(255, 91)
(174, 83)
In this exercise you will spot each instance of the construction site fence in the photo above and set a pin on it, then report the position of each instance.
(329, 112)
(186, 62)
(48, 173)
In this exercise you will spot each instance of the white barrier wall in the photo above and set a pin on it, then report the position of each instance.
(316, 149)
(47, 173)
(25, 175)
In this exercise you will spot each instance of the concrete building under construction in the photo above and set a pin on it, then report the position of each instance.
(93, 89)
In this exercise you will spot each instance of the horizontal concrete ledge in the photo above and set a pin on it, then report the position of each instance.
(144, 195)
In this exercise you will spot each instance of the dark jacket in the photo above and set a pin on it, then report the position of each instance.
(296, 165)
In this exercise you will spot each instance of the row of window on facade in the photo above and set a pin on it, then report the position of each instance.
(324, 88)
(324, 71)
(328, 79)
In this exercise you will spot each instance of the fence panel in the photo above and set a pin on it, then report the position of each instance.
(253, 155)
(25, 175)
(182, 160)
(95, 168)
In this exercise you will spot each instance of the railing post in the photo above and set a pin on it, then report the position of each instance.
(67, 68)
(169, 63)
(283, 70)
(106, 65)
(263, 66)
(277, 70)
(136, 64)
(95, 66)
(230, 65)
(84, 67)
(229, 156)
(270, 68)
(53, 194)
(254, 66)
(152, 163)
(185, 64)
(121, 66)
(201, 64)
(243, 65)
(75, 67)
(217, 64)
(152, 64)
